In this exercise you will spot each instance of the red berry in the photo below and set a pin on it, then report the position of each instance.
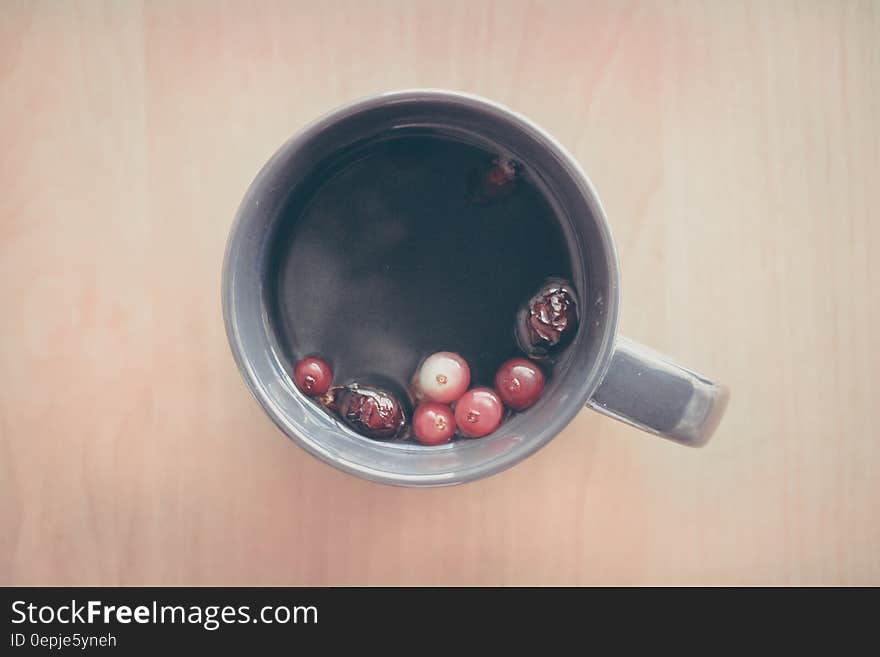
(519, 383)
(313, 376)
(443, 377)
(479, 412)
(433, 423)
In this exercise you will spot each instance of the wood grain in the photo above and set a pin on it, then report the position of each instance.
(734, 144)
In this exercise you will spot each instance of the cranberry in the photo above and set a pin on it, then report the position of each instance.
(519, 383)
(549, 320)
(313, 376)
(433, 423)
(442, 377)
(478, 412)
(496, 180)
(372, 412)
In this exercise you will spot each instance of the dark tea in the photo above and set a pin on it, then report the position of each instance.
(408, 244)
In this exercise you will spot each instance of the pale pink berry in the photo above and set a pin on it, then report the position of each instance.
(443, 377)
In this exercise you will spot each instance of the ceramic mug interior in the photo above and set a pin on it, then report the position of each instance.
(254, 337)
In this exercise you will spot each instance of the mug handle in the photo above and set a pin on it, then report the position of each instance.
(649, 391)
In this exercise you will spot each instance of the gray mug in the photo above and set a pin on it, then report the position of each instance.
(603, 370)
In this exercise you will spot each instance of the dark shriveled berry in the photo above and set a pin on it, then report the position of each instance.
(549, 320)
(496, 180)
(372, 412)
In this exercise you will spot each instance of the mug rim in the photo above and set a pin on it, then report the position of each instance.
(586, 191)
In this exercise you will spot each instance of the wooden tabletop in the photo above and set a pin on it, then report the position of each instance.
(734, 144)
